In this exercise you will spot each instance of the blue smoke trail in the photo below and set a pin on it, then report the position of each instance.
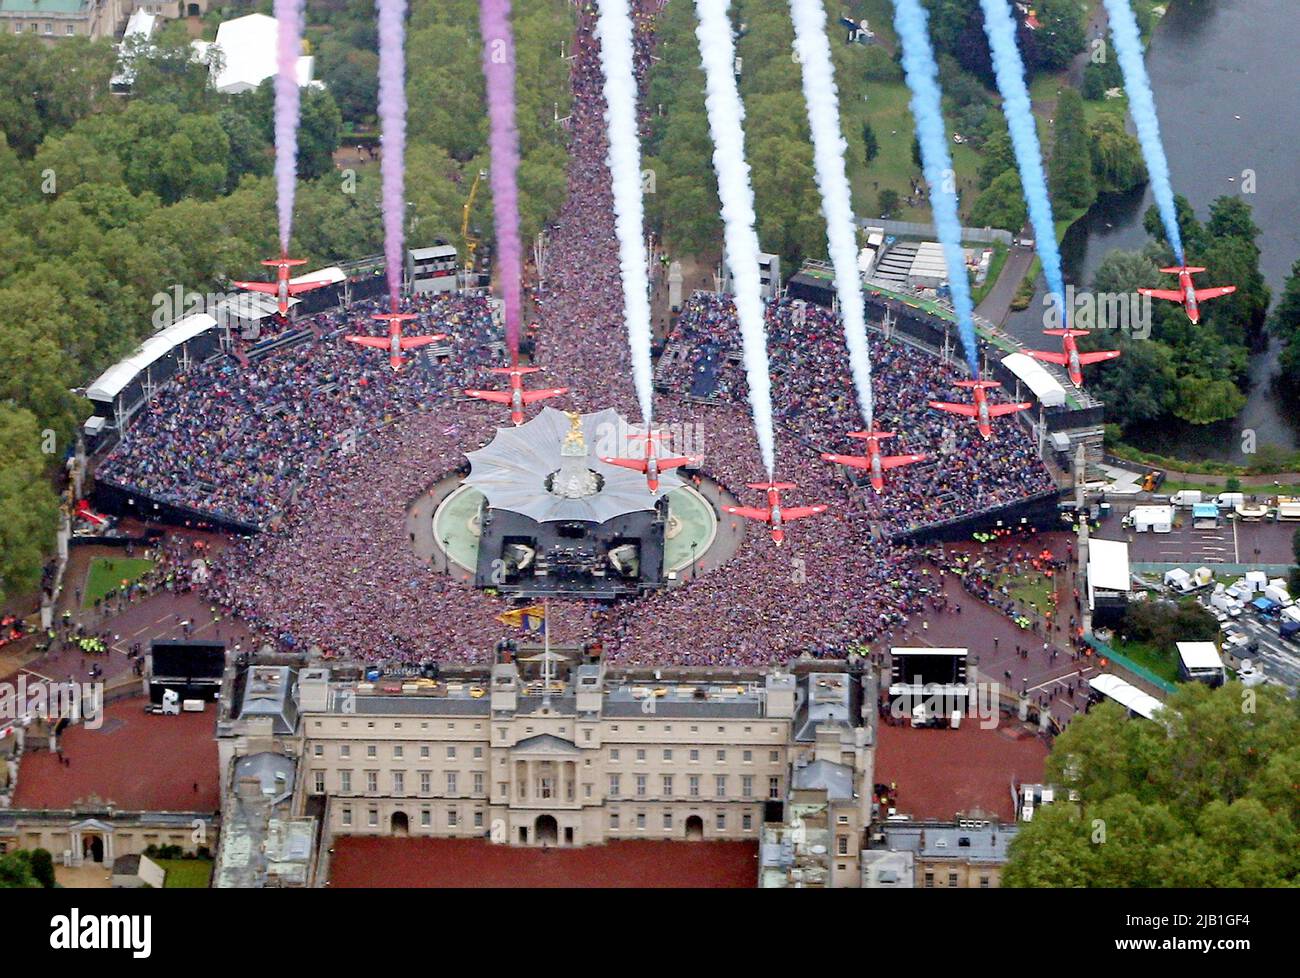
(1142, 107)
(1010, 70)
(911, 22)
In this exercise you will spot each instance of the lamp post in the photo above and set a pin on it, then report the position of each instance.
(694, 544)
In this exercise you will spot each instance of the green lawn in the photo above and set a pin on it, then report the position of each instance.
(1163, 664)
(886, 108)
(107, 573)
(186, 874)
(1034, 590)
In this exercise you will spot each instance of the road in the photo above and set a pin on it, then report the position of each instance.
(1279, 657)
(996, 306)
(1233, 542)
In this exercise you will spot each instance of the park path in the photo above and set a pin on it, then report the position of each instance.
(996, 306)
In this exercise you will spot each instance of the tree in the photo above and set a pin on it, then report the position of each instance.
(1071, 169)
(1101, 76)
(1189, 228)
(871, 146)
(250, 150)
(1002, 205)
(28, 510)
(352, 76)
(319, 128)
(1203, 797)
(1231, 217)
(1285, 324)
(1117, 161)
(16, 871)
(916, 153)
(42, 865)
(889, 202)
(1060, 35)
(999, 157)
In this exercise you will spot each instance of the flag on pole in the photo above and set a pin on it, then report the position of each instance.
(530, 619)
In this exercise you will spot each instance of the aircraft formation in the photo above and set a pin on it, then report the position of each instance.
(395, 343)
(717, 55)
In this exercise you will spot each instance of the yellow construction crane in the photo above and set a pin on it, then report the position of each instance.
(471, 243)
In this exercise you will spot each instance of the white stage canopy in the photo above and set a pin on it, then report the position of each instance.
(1032, 375)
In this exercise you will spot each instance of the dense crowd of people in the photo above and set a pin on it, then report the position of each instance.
(814, 397)
(336, 570)
(231, 438)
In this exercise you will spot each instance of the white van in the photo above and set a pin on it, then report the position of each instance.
(1230, 500)
(1186, 498)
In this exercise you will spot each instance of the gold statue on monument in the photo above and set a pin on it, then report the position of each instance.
(574, 442)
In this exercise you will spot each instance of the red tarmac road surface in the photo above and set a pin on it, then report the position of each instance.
(942, 772)
(978, 625)
(373, 861)
(138, 761)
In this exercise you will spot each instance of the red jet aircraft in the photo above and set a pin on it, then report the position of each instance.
(395, 342)
(83, 511)
(982, 411)
(1072, 360)
(774, 516)
(281, 288)
(873, 461)
(652, 463)
(516, 396)
(1187, 293)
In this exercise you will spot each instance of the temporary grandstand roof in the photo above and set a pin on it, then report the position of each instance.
(250, 305)
(248, 46)
(511, 471)
(328, 275)
(1031, 373)
(928, 268)
(1108, 567)
(1127, 695)
(115, 379)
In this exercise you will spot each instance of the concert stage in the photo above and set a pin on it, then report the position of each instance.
(540, 515)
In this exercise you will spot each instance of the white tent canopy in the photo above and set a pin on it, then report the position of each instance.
(1108, 567)
(1199, 655)
(328, 275)
(115, 379)
(1031, 373)
(248, 46)
(1127, 695)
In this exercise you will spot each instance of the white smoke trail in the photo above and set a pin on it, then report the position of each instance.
(614, 30)
(726, 112)
(822, 97)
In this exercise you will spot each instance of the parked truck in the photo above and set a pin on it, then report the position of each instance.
(1150, 519)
